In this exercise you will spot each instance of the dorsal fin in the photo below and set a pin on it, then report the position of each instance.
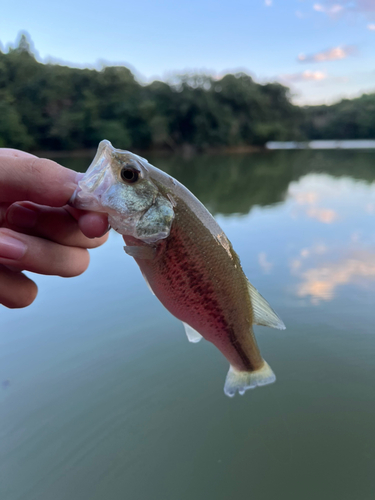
(263, 313)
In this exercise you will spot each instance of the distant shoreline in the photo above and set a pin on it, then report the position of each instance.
(323, 144)
(187, 151)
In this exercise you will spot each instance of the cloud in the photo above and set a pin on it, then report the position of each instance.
(317, 249)
(324, 215)
(268, 3)
(319, 8)
(334, 7)
(334, 54)
(305, 197)
(304, 76)
(371, 27)
(264, 264)
(307, 201)
(296, 264)
(320, 283)
(328, 9)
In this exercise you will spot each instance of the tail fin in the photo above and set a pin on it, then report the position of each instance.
(242, 381)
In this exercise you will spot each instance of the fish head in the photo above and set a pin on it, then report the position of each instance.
(121, 184)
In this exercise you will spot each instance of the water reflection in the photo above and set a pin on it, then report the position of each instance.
(103, 396)
(324, 215)
(344, 254)
(321, 282)
(329, 188)
(229, 184)
(264, 263)
(234, 184)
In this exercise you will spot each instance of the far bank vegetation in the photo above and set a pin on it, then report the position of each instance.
(54, 107)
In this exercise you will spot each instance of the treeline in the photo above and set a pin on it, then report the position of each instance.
(53, 107)
(348, 119)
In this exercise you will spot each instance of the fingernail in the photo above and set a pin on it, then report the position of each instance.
(11, 248)
(20, 216)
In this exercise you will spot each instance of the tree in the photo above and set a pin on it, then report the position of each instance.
(49, 106)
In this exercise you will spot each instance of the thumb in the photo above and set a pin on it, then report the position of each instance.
(26, 177)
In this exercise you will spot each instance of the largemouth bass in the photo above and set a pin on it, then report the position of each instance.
(185, 258)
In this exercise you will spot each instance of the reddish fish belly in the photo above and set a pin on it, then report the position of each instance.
(198, 282)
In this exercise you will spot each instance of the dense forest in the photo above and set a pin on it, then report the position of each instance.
(53, 107)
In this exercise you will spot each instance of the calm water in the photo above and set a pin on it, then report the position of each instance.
(103, 397)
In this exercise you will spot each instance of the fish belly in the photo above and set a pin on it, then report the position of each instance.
(202, 285)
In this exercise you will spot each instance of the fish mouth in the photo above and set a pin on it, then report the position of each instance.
(95, 182)
(140, 211)
(88, 200)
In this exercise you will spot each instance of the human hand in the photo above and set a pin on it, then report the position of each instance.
(38, 231)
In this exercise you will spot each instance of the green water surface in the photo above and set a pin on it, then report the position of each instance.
(103, 397)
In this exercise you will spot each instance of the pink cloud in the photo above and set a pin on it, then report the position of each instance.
(334, 54)
(304, 76)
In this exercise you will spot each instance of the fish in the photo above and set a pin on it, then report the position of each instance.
(185, 258)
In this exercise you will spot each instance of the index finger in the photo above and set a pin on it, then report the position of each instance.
(26, 177)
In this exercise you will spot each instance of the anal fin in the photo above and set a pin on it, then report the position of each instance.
(263, 313)
(192, 335)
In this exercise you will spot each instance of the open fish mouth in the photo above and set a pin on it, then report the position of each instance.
(118, 183)
(95, 182)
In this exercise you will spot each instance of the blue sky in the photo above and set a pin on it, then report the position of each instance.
(323, 49)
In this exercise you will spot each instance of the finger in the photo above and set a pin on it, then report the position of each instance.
(55, 224)
(26, 177)
(92, 224)
(41, 256)
(15, 153)
(3, 211)
(16, 290)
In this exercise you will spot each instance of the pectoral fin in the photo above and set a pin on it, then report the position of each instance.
(263, 313)
(192, 335)
(141, 252)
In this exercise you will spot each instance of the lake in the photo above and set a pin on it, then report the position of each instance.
(103, 397)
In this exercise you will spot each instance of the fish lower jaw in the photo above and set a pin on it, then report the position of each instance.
(84, 200)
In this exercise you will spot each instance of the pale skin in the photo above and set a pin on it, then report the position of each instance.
(38, 231)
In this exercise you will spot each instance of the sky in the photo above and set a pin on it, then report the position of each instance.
(324, 50)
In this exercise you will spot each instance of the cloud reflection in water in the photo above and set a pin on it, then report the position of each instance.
(343, 255)
(320, 283)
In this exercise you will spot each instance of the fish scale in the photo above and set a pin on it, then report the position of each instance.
(185, 257)
(216, 297)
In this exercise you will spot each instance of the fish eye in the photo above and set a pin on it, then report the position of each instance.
(129, 175)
